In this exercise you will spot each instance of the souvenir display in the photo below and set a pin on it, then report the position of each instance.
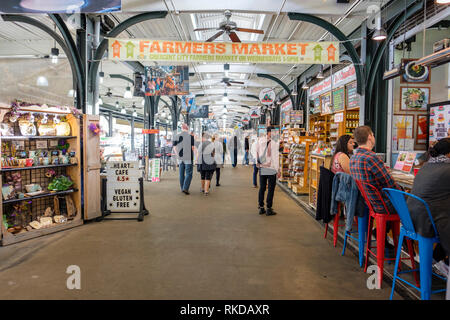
(6, 129)
(63, 129)
(27, 128)
(47, 129)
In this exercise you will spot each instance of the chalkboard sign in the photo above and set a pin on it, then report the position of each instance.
(352, 96)
(339, 99)
(325, 103)
(317, 105)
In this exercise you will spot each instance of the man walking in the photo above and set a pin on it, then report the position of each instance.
(247, 148)
(234, 156)
(184, 148)
(267, 151)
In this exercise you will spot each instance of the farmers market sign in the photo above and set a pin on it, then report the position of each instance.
(184, 51)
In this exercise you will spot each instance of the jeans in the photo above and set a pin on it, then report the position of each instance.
(271, 180)
(245, 158)
(234, 158)
(185, 175)
(217, 175)
(255, 175)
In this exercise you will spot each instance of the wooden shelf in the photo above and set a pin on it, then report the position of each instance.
(14, 238)
(37, 167)
(42, 195)
(35, 137)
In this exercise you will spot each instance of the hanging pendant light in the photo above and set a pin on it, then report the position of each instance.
(379, 35)
(305, 86)
(123, 111)
(54, 55)
(72, 93)
(101, 76)
(127, 94)
(42, 81)
(320, 74)
(100, 100)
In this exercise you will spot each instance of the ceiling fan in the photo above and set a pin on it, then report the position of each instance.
(229, 27)
(109, 94)
(229, 81)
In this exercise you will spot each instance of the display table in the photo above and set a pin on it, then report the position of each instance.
(405, 180)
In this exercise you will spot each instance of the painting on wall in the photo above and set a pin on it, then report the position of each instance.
(415, 73)
(402, 132)
(421, 129)
(414, 98)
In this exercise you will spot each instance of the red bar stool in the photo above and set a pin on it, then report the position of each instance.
(381, 220)
(336, 225)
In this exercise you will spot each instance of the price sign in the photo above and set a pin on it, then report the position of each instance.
(153, 172)
(339, 117)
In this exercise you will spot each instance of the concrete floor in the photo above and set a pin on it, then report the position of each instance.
(191, 247)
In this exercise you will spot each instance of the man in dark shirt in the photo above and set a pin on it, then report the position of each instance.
(246, 147)
(183, 144)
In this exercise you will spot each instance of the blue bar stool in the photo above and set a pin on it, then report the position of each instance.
(362, 235)
(407, 230)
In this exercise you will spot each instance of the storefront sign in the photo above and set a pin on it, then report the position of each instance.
(286, 105)
(150, 131)
(255, 112)
(338, 79)
(182, 51)
(267, 96)
(339, 117)
(439, 121)
(123, 186)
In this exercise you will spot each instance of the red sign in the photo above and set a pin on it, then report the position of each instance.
(150, 131)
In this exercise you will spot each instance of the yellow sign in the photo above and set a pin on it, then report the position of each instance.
(182, 51)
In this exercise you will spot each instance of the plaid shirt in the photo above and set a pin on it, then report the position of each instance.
(367, 167)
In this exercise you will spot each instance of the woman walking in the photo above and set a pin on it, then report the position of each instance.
(206, 162)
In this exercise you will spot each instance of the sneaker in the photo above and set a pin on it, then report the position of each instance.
(270, 212)
(254, 186)
(217, 184)
(186, 192)
(262, 210)
(440, 268)
(206, 193)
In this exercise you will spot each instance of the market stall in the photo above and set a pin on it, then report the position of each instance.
(40, 170)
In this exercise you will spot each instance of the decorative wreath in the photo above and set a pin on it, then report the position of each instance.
(95, 129)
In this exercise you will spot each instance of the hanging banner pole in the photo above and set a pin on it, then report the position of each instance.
(307, 52)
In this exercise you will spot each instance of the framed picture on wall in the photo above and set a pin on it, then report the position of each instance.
(421, 129)
(415, 73)
(402, 132)
(414, 98)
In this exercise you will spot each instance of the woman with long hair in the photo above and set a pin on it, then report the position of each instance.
(341, 157)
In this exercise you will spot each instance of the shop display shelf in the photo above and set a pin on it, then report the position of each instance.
(43, 195)
(37, 167)
(35, 137)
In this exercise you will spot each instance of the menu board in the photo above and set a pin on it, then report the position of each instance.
(297, 116)
(405, 161)
(339, 99)
(439, 123)
(123, 190)
(353, 99)
(325, 103)
(316, 105)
